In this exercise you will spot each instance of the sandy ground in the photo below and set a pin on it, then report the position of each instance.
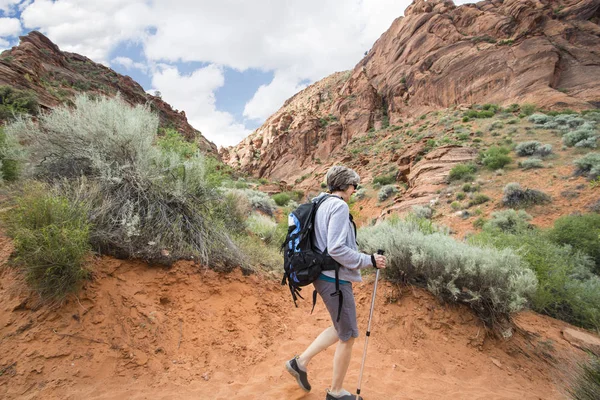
(138, 332)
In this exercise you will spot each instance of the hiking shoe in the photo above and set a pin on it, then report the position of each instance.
(346, 396)
(301, 377)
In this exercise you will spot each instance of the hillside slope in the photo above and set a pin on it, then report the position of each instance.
(55, 77)
(137, 332)
(438, 56)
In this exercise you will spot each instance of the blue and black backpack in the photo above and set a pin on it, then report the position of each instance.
(302, 261)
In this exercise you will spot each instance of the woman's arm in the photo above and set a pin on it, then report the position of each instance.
(337, 234)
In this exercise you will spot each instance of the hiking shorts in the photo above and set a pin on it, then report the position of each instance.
(348, 326)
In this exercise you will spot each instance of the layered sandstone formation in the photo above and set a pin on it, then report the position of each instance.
(436, 56)
(55, 77)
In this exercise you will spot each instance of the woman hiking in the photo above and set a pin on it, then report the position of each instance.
(335, 232)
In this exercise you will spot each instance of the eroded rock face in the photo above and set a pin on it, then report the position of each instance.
(436, 56)
(427, 176)
(38, 65)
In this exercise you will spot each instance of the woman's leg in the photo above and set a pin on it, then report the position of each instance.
(328, 337)
(341, 361)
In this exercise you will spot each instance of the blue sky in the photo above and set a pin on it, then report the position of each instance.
(229, 64)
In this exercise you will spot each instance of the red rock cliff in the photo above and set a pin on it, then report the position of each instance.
(436, 56)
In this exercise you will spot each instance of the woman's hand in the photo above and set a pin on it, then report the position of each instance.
(380, 261)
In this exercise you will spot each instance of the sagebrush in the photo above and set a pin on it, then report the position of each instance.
(493, 282)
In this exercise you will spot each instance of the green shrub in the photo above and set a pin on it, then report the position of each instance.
(15, 102)
(479, 114)
(586, 385)
(567, 290)
(425, 212)
(281, 199)
(528, 109)
(51, 238)
(493, 282)
(173, 141)
(147, 203)
(508, 221)
(11, 157)
(531, 163)
(478, 199)
(496, 125)
(455, 205)
(462, 172)
(386, 191)
(461, 196)
(516, 196)
(495, 157)
(582, 232)
(385, 179)
(263, 227)
(588, 165)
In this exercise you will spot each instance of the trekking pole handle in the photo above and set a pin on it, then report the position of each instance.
(362, 366)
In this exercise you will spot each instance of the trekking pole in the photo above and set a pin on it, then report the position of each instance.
(362, 366)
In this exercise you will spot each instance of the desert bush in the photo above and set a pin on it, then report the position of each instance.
(586, 385)
(146, 202)
(264, 228)
(478, 199)
(51, 238)
(11, 157)
(516, 196)
(386, 191)
(588, 165)
(231, 212)
(508, 221)
(533, 147)
(281, 199)
(422, 211)
(479, 114)
(462, 172)
(539, 119)
(259, 201)
(385, 179)
(527, 148)
(582, 137)
(492, 282)
(260, 257)
(566, 121)
(461, 196)
(567, 289)
(496, 125)
(531, 163)
(361, 193)
(495, 157)
(528, 109)
(172, 141)
(15, 102)
(582, 232)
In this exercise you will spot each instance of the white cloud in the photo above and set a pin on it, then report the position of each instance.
(7, 6)
(270, 97)
(128, 64)
(10, 27)
(298, 41)
(195, 95)
(91, 28)
(3, 44)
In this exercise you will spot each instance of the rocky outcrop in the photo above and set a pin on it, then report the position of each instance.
(55, 77)
(436, 56)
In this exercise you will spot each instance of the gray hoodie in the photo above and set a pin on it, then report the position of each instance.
(334, 232)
